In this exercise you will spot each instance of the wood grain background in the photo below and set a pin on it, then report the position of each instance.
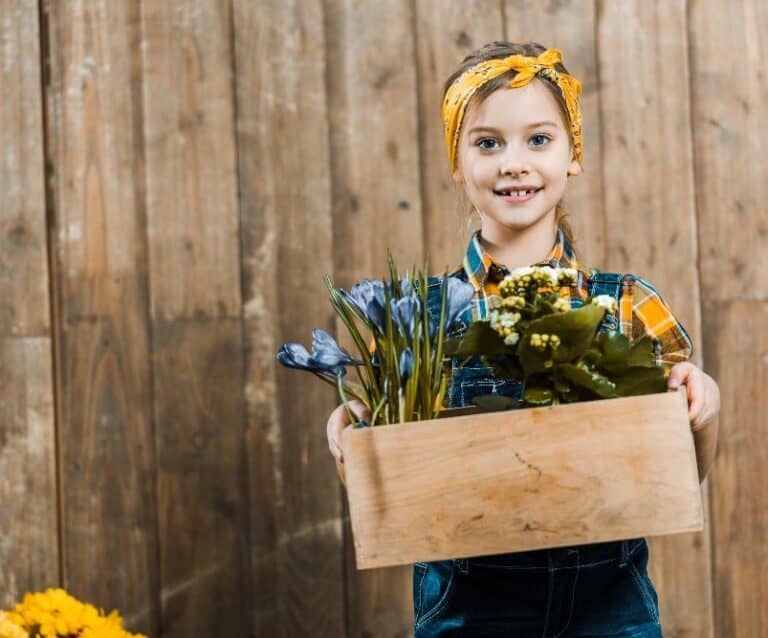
(175, 178)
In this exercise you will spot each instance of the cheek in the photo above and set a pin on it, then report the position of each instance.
(482, 170)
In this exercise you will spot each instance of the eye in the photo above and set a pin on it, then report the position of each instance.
(543, 140)
(486, 143)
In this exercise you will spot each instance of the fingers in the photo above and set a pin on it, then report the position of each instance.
(339, 420)
(336, 423)
(679, 374)
(696, 398)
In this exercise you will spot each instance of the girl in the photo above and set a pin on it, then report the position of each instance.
(513, 133)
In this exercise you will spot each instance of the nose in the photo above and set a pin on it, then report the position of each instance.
(514, 162)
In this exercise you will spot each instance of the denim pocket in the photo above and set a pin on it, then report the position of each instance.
(471, 381)
(638, 568)
(433, 585)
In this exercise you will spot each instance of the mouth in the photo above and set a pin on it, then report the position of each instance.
(517, 195)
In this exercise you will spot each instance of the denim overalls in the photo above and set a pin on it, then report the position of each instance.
(601, 589)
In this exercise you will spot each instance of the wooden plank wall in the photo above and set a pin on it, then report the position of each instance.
(176, 178)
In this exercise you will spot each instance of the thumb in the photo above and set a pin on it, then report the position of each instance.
(360, 410)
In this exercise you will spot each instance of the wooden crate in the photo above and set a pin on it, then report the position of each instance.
(522, 479)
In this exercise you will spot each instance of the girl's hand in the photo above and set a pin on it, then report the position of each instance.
(338, 421)
(702, 392)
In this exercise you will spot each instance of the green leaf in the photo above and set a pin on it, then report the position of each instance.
(588, 379)
(480, 339)
(615, 350)
(494, 402)
(641, 380)
(538, 396)
(576, 329)
(641, 353)
(505, 367)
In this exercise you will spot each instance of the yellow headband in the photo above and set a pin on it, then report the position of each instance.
(464, 87)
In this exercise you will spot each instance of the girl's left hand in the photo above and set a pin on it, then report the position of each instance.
(701, 389)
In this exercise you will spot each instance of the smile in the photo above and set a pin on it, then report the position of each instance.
(517, 196)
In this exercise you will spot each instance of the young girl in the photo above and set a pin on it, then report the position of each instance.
(513, 133)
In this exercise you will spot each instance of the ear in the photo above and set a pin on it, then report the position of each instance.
(458, 177)
(574, 168)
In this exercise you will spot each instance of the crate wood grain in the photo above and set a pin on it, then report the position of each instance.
(522, 480)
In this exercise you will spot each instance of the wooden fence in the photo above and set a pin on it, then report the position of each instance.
(175, 178)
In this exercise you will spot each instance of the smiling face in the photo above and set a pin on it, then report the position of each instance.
(513, 141)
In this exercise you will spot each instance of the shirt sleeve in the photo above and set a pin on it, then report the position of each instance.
(652, 316)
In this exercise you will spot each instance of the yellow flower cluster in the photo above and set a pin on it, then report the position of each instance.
(10, 629)
(54, 613)
(543, 341)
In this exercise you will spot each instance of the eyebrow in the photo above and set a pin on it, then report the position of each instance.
(529, 126)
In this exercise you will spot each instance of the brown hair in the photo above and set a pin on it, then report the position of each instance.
(502, 49)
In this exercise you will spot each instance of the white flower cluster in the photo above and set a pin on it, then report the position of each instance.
(605, 301)
(504, 324)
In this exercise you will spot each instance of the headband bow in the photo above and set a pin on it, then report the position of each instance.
(464, 87)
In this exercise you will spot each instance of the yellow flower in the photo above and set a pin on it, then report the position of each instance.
(9, 629)
(56, 613)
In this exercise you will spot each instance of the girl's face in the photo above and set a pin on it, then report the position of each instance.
(515, 140)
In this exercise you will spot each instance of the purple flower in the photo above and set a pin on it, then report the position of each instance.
(367, 296)
(404, 312)
(459, 298)
(406, 365)
(326, 351)
(327, 357)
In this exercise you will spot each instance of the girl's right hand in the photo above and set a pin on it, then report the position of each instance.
(339, 420)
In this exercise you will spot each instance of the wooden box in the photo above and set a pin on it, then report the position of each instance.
(519, 480)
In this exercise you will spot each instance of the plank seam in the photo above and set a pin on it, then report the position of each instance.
(244, 521)
(53, 297)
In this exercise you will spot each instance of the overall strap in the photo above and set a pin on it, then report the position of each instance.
(620, 286)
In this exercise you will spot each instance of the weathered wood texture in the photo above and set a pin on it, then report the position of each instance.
(29, 556)
(195, 315)
(107, 454)
(296, 553)
(175, 180)
(728, 73)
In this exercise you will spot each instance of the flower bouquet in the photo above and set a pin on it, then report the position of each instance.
(557, 354)
(403, 379)
(55, 614)
(566, 470)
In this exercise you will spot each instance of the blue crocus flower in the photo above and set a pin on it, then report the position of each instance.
(360, 295)
(295, 355)
(406, 365)
(367, 296)
(326, 358)
(327, 352)
(458, 300)
(404, 312)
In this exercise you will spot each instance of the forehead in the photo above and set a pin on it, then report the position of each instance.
(515, 108)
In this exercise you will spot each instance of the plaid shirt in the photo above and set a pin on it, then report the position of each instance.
(641, 308)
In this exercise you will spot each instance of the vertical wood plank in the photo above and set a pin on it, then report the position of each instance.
(445, 34)
(570, 27)
(285, 186)
(728, 73)
(192, 222)
(373, 110)
(107, 447)
(648, 176)
(29, 556)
